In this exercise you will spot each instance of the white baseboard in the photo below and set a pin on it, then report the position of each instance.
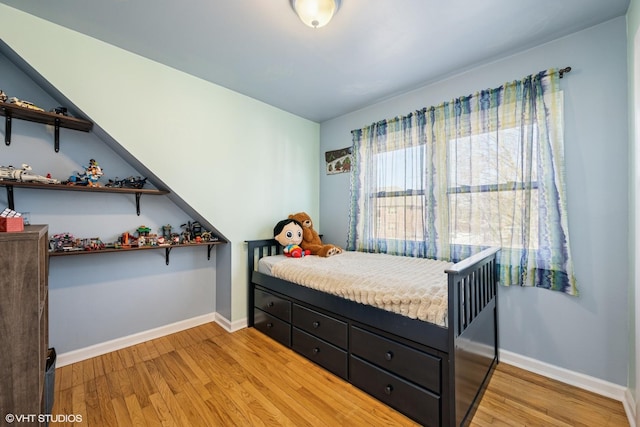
(231, 326)
(586, 382)
(630, 407)
(119, 343)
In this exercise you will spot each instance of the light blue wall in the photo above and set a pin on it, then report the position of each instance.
(588, 334)
(239, 163)
(101, 297)
(633, 58)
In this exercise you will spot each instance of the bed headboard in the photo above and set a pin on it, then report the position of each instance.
(261, 248)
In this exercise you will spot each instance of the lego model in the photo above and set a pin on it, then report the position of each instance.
(24, 104)
(9, 173)
(129, 182)
(89, 177)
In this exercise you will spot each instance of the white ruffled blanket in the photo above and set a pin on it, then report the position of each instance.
(412, 287)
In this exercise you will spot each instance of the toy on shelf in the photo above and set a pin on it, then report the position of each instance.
(63, 242)
(60, 110)
(129, 182)
(89, 177)
(9, 173)
(25, 104)
(11, 220)
(3, 96)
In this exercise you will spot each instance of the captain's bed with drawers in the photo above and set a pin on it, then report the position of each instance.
(419, 335)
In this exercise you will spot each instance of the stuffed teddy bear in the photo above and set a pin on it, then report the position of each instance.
(311, 240)
(288, 233)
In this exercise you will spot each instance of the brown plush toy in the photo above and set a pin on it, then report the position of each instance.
(311, 240)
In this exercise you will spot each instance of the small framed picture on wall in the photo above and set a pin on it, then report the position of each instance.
(338, 161)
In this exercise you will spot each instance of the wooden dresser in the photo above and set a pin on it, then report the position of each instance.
(24, 328)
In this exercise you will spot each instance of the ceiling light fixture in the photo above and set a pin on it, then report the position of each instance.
(315, 13)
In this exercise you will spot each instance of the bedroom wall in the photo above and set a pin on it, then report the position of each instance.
(588, 334)
(97, 298)
(633, 37)
(226, 156)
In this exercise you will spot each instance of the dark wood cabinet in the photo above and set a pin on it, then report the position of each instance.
(24, 323)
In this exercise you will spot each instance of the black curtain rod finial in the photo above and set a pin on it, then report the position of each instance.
(564, 70)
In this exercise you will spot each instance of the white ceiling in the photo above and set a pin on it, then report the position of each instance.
(372, 50)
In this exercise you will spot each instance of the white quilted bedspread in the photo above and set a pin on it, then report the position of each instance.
(412, 287)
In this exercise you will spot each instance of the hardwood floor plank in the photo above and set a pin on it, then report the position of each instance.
(88, 370)
(121, 411)
(135, 411)
(107, 415)
(167, 395)
(127, 357)
(206, 376)
(188, 360)
(194, 405)
(64, 377)
(77, 374)
(79, 401)
(146, 384)
(162, 410)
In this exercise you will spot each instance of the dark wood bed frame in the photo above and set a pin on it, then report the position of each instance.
(432, 374)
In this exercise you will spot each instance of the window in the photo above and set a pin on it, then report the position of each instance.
(490, 177)
(481, 170)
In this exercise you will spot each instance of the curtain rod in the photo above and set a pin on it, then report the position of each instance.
(564, 70)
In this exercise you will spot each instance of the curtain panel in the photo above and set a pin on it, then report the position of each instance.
(481, 170)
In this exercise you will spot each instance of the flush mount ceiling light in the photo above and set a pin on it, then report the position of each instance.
(315, 13)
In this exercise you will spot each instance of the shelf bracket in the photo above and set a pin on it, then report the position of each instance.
(166, 254)
(10, 197)
(138, 195)
(209, 247)
(7, 128)
(56, 140)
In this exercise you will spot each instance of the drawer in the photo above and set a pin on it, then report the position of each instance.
(272, 326)
(329, 329)
(321, 352)
(417, 366)
(272, 304)
(413, 401)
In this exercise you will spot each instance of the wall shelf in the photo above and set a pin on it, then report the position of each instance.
(11, 111)
(167, 249)
(63, 187)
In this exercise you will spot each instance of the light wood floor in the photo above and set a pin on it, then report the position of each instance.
(207, 377)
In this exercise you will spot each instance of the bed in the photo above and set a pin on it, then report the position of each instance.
(430, 361)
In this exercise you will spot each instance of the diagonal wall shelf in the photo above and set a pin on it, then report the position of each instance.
(11, 111)
(137, 191)
(167, 249)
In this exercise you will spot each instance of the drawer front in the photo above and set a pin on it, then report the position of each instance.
(414, 402)
(274, 305)
(421, 368)
(329, 329)
(321, 352)
(272, 326)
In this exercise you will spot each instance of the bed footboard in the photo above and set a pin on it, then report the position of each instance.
(473, 330)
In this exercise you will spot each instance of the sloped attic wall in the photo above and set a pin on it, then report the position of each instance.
(239, 163)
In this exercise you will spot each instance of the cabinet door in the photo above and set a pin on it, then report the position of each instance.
(413, 401)
(272, 326)
(326, 327)
(416, 366)
(321, 352)
(273, 305)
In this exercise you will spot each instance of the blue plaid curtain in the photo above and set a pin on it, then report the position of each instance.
(481, 170)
